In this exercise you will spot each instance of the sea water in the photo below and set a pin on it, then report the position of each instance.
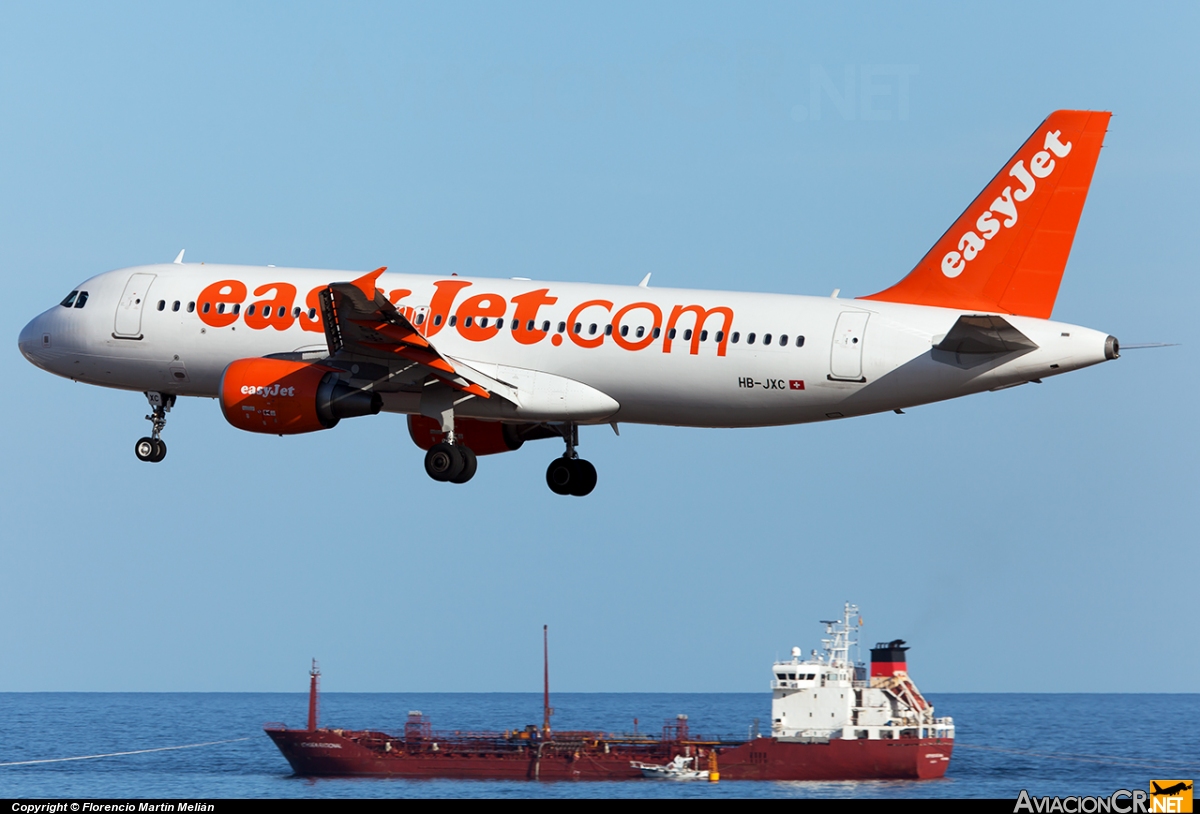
(1049, 744)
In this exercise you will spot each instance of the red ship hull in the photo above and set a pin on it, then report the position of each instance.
(330, 752)
(901, 759)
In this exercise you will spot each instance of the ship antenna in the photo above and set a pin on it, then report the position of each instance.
(314, 679)
(546, 710)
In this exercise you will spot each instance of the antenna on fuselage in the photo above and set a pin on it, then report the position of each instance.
(645, 283)
(179, 257)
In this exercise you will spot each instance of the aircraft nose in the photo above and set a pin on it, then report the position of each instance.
(33, 339)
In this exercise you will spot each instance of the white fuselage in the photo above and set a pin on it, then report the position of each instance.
(856, 356)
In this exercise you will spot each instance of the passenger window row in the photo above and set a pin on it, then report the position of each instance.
(782, 341)
(577, 328)
(593, 328)
(237, 308)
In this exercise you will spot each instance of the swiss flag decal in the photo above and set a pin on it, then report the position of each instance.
(796, 384)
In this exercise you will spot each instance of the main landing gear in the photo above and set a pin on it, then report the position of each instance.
(154, 449)
(570, 474)
(450, 463)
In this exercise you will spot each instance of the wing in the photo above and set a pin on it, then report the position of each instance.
(361, 322)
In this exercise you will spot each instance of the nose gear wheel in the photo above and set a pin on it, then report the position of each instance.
(151, 450)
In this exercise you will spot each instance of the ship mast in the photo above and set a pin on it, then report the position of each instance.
(546, 710)
(314, 679)
(838, 648)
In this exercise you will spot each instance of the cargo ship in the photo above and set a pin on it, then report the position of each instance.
(830, 720)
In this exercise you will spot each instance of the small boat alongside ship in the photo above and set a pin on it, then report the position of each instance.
(678, 769)
(830, 720)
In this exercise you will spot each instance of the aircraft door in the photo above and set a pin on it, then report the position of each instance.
(845, 360)
(128, 323)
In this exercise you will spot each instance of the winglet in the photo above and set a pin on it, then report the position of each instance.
(645, 283)
(1006, 253)
(366, 283)
(179, 257)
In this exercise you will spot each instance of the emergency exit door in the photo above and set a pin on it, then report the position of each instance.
(845, 360)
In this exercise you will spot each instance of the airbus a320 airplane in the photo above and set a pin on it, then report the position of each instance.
(482, 365)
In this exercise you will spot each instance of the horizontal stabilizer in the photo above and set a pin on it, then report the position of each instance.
(984, 333)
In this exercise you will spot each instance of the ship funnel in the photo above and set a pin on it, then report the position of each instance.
(888, 659)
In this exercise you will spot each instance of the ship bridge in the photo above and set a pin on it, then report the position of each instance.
(829, 696)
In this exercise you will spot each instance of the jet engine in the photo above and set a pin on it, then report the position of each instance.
(483, 437)
(280, 397)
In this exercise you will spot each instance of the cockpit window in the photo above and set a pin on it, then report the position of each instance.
(70, 300)
(81, 300)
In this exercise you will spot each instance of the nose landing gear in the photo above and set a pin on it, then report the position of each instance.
(570, 474)
(153, 449)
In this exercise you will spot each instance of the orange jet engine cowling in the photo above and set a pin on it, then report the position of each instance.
(483, 437)
(285, 398)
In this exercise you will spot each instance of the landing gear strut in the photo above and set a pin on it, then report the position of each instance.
(570, 474)
(449, 460)
(153, 449)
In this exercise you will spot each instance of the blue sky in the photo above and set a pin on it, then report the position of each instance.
(1037, 539)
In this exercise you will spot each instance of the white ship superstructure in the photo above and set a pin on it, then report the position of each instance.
(829, 697)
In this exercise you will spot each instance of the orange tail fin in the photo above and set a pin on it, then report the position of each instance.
(1006, 253)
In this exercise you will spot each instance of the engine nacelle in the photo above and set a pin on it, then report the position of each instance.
(285, 398)
(483, 437)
